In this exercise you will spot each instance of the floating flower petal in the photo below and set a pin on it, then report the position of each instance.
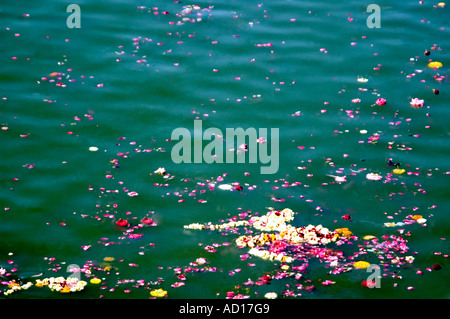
(416, 103)
(361, 264)
(380, 101)
(158, 293)
(161, 171)
(435, 64)
(373, 177)
(270, 295)
(398, 171)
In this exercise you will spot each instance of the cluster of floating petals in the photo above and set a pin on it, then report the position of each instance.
(58, 284)
(409, 220)
(310, 234)
(270, 255)
(273, 220)
(193, 13)
(231, 224)
(14, 286)
(284, 234)
(61, 284)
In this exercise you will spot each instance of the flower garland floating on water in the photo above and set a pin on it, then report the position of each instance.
(286, 234)
(278, 241)
(193, 13)
(61, 284)
(14, 286)
(58, 284)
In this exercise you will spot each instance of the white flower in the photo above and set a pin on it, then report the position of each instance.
(409, 259)
(416, 102)
(160, 171)
(225, 187)
(270, 295)
(201, 261)
(421, 220)
(374, 177)
(261, 140)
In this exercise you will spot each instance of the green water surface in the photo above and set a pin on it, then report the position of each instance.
(133, 73)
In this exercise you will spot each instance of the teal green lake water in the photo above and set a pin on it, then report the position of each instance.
(87, 114)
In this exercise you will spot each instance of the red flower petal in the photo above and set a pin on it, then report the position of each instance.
(146, 220)
(368, 283)
(122, 222)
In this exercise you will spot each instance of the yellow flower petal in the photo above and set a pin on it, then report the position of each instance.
(95, 280)
(284, 267)
(398, 171)
(361, 264)
(435, 64)
(65, 290)
(344, 232)
(158, 293)
(368, 237)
